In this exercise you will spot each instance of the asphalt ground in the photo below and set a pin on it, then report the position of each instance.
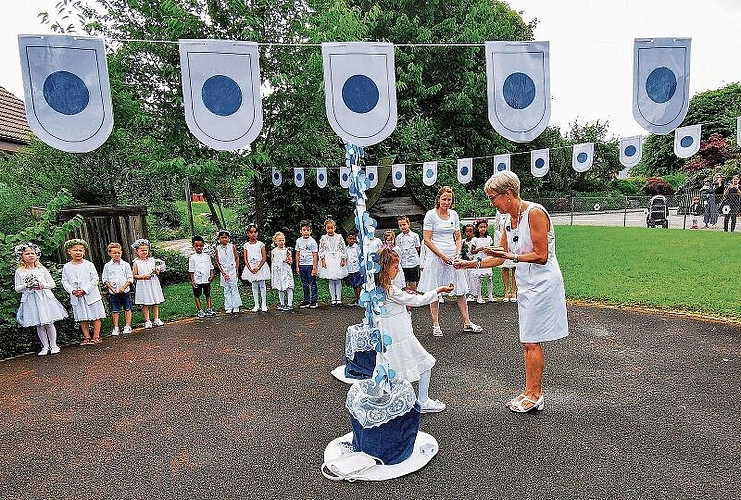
(638, 405)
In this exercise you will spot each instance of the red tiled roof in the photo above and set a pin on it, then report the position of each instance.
(13, 124)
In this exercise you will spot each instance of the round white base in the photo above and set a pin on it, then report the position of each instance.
(425, 447)
(339, 374)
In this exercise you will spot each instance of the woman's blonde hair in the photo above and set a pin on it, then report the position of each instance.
(441, 192)
(387, 259)
(504, 181)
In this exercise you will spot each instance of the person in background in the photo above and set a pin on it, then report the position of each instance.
(80, 279)
(227, 261)
(481, 276)
(469, 234)
(354, 278)
(731, 199)
(409, 247)
(695, 210)
(281, 274)
(332, 261)
(148, 288)
(201, 271)
(118, 277)
(307, 261)
(256, 268)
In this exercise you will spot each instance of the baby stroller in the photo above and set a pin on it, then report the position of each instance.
(658, 212)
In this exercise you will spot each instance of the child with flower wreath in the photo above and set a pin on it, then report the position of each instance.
(38, 307)
(80, 279)
(148, 288)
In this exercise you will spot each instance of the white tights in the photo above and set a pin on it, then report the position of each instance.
(335, 290)
(258, 288)
(286, 294)
(424, 386)
(47, 335)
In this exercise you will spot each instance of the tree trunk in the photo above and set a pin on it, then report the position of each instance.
(214, 216)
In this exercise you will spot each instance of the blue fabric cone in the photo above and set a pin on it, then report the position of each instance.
(362, 366)
(392, 442)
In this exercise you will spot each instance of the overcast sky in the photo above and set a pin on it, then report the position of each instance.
(591, 45)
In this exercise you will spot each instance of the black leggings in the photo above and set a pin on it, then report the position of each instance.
(732, 218)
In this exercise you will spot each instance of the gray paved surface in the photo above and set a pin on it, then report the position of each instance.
(637, 406)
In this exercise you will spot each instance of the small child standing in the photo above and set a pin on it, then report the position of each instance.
(227, 259)
(118, 277)
(696, 210)
(468, 234)
(80, 279)
(256, 268)
(148, 288)
(281, 276)
(405, 355)
(389, 241)
(38, 307)
(201, 271)
(508, 266)
(482, 275)
(409, 246)
(333, 257)
(307, 261)
(354, 278)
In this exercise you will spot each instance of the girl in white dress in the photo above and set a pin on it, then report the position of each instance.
(281, 274)
(508, 267)
(38, 307)
(80, 279)
(405, 355)
(482, 275)
(148, 288)
(227, 259)
(256, 268)
(332, 261)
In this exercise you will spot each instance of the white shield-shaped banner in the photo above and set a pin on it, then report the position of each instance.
(221, 92)
(582, 156)
(398, 174)
(518, 88)
(345, 176)
(687, 140)
(321, 177)
(540, 162)
(502, 163)
(371, 173)
(299, 176)
(429, 173)
(631, 150)
(738, 131)
(465, 170)
(68, 95)
(360, 90)
(276, 176)
(661, 82)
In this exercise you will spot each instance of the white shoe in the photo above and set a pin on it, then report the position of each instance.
(437, 331)
(54, 350)
(158, 322)
(492, 299)
(480, 301)
(235, 310)
(228, 311)
(115, 332)
(472, 327)
(126, 330)
(431, 406)
(44, 351)
(264, 308)
(147, 324)
(255, 309)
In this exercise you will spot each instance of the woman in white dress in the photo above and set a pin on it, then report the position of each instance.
(529, 241)
(442, 235)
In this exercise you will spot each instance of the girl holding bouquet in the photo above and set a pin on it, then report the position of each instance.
(80, 279)
(256, 268)
(38, 307)
(148, 288)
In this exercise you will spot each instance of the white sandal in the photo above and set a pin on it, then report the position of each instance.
(437, 331)
(517, 404)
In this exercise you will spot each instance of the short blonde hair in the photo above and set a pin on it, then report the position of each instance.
(504, 181)
(112, 246)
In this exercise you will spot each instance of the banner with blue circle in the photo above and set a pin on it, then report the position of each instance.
(345, 176)
(661, 82)
(631, 150)
(399, 174)
(299, 176)
(429, 173)
(371, 173)
(518, 88)
(464, 170)
(582, 156)
(66, 89)
(221, 92)
(687, 140)
(321, 177)
(540, 162)
(360, 90)
(276, 176)
(502, 163)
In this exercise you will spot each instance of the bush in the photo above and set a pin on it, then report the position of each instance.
(177, 265)
(657, 185)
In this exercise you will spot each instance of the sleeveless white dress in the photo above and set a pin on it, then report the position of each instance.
(332, 250)
(541, 298)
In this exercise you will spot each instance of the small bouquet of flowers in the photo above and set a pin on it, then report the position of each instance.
(31, 281)
(159, 266)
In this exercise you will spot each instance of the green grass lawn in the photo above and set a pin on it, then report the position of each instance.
(692, 271)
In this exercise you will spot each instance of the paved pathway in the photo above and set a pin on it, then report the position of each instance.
(637, 406)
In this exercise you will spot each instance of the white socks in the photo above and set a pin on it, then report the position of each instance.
(424, 386)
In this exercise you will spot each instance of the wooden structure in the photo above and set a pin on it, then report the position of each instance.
(14, 131)
(103, 225)
(393, 202)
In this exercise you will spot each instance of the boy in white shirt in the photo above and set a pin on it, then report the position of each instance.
(409, 245)
(201, 271)
(117, 277)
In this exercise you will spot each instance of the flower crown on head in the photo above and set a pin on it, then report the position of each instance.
(223, 232)
(19, 249)
(480, 221)
(75, 241)
(140, 242)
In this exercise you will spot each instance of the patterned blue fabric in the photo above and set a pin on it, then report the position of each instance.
(392, 442)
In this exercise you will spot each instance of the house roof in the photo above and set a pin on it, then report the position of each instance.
(13, 125)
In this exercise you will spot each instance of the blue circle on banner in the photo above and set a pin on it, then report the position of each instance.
(221, 95)
(371, 176)
(321, 177)
(581, 157)
(429, 173)
(501, 167)
(630, 150)
(66, 93)
(661, 85)
(299, 177)
(464, 171)
(686, 141)
(344, 177)
(519, 90)
(360, 94)
(276, 176)
(539, 163)
(398, 176)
